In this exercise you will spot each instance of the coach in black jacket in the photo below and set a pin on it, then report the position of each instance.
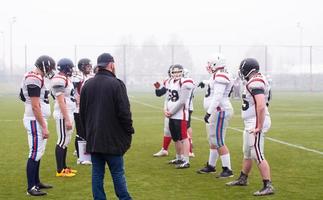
(106, 117)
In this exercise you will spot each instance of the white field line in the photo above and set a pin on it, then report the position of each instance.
(241, 131)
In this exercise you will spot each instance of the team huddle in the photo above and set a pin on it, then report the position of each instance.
(35, 95)
(178, 89)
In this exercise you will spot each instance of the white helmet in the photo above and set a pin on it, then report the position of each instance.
(215, 63)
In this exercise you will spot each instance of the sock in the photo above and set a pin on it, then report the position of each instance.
(37, 181)
(31, 171)
(64, 158)
(191, 144)
(243, 175)
(178, 157)
(77, 146)
(226, 161)
(186, 158)
(59, 153)
(213, 157)
(266, 182)
(167, 140)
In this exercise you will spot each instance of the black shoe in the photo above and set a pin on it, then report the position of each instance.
(44, 186)
(226, 173)
(184, 165)
(208, 169)
(266, 190)
(176, 162)
(241, 181)
(34, 191)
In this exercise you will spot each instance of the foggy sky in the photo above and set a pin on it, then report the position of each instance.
(64, 22)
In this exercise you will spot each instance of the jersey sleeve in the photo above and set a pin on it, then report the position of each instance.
(58, 86)
(222, 78)
(256, 86)
(188, 84)
(33, 80)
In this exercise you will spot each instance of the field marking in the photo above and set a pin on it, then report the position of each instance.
(241, 131)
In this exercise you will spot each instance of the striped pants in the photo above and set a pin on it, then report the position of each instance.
(36, 142)
(253, 145)
(64, 136)
(216, 129)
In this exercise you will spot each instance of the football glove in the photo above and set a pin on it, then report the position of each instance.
(206, 117)
(201, 84)
(157, 85)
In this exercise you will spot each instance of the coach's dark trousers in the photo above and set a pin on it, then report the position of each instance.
(116, 167)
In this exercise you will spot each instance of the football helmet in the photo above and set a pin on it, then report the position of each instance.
(177, 71)
(247, 66)
(215, 63)
(85, 65)
(46, 64)
(65, 66)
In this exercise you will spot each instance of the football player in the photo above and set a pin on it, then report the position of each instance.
(218, 113)
(63, 92)
(85, 67)
(160, 90)
(257, 122)
(176, 109)
(34, 94)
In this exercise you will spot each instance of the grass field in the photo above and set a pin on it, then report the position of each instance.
(297, 173)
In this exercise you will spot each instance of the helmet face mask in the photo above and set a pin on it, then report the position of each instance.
(177, 72)
(65, 66)
(46, 65)
(216, 63)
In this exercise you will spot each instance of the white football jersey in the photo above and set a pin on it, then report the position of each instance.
(258, 82)
(61, 84)
(175, 89)
(80, 80)
(219, 79)
(32, 78)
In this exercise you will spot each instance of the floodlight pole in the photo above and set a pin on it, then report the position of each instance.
(12, 21)
(3, 48)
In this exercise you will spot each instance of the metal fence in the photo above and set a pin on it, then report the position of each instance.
(290, 67)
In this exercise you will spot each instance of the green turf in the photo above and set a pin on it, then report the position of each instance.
(297, 118)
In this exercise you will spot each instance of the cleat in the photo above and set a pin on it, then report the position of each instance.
(175, 162)
(241, 181)
(184, 165)
(266, 190)
(161, 153)
(85, 162)
(65, 173)
(44, 186)
(70, 170)
(191, 155)
(34, 191)
(208, 169)
(226, 173)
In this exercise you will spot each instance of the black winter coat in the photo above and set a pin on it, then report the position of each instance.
(105, 114)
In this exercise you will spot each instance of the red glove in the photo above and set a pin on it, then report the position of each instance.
(157, 85)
